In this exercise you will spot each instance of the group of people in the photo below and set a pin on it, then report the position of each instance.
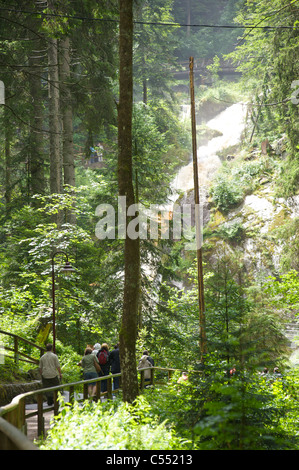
(276, 372)
(98, 361)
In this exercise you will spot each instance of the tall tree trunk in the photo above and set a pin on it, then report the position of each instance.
(8, 163)
(128, 333)
(67, 121)
(54, 121)
(36, 162)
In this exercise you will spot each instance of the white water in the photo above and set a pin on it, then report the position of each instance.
(231, 123)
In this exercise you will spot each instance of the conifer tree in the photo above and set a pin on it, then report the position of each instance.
(128, 332)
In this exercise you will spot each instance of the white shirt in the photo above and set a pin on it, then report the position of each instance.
(49, 365)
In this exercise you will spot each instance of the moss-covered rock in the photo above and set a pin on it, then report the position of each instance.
(9, 391)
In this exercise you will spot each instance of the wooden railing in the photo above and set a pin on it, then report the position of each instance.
(18, 353)
(13, 426)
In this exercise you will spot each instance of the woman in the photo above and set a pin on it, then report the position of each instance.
(103, 358)
(88, 363)
(96, 348)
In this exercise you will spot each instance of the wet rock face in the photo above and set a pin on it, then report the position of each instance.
(261, 215)
(188, 199)
(34, 374)
(252, 225)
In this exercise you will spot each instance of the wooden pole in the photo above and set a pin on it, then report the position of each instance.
(202, 321)
(53, 306)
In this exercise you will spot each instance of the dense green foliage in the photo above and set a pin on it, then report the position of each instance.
(122, 427)
(234, 181)
(245, 310)
(212, 411)
(269, 64)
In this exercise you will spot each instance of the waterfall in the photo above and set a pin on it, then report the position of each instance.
(230, 123)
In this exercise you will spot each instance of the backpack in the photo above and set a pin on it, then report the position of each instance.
(103, 357)
(144, 362)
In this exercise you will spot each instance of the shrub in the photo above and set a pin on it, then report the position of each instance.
(109, 426)
(226, 193)
(234, 231)
(239, 178)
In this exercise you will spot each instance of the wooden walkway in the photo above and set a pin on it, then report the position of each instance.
(32, 422)
(19, 417)
(32, 427)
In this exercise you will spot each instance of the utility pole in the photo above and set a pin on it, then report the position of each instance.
(202, 321)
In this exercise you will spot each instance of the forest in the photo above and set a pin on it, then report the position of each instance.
(96, 136)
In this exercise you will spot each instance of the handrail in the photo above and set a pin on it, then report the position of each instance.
(16, 350)
(14, 413)
(13, 438)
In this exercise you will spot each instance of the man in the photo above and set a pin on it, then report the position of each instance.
(49, 368)
(149, 358)
(145, 363)
(115, 365)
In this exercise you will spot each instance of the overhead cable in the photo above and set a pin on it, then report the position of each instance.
(149, 23)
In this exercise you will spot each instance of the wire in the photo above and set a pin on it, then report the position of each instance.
(86, 18)
(265, 17)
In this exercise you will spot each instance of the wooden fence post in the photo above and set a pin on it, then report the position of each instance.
(22, 420)
(85, 391)
(56, 403)
(152, 376)
(109, 388)
(98, 390)
(16, 350)
(71, 395)
(40, 417)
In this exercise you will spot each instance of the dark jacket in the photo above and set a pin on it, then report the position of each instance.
(151, 360)
(114, 361)
(105, 367)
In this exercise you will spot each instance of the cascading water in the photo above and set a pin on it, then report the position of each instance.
(230, 123)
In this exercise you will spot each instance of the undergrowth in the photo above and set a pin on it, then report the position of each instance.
(111, 425)
(246, 412)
